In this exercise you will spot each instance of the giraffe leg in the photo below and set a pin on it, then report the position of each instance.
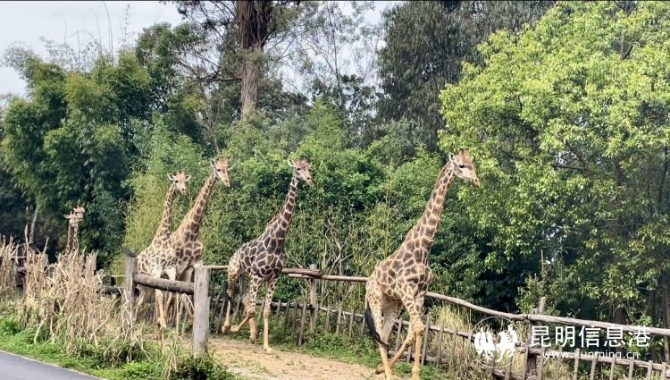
(272, 285)
(374, 300)
(250, 308)
(415, 333)
(391, 312)
(188, 276)
(184, 299)
(172, 274)
(233, 274)
(418, 332)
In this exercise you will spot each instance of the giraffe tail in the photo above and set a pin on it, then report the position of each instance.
(372, 329)
(226, 297)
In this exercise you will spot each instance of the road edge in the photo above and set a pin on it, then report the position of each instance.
(50, 364)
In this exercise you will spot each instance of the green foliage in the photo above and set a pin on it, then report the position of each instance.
(425, 45)
(200, 367)
(565, 117)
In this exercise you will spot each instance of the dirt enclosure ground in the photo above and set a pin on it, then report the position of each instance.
(251, 362)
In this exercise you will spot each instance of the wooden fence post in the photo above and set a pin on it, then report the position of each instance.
(531, 363)
(129, 290)
(201, 301)
(313, 301)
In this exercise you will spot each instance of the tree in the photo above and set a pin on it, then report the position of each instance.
(74, 139)
(425, 45)
(335, 57)
(568, 124)
(243, 29)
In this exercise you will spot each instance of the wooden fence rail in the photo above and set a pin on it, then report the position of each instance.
(302, 319)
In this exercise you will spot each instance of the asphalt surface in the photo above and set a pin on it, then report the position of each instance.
(14, 367)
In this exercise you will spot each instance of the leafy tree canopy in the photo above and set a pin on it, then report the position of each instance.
(568, 122)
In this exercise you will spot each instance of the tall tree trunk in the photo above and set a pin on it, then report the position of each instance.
(32, 225)
(250, 80)
(254, 18)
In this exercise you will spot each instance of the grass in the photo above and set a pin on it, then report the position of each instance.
(62, 318)
(21, 342)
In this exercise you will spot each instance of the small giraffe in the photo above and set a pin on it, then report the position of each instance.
(185, 239)
(262, 259)
(74, 218)
(160, 257)
(402, 279)
(71, 220)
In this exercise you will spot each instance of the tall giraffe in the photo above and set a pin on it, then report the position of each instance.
(262, 259)
(402, 279)
(185, 239)
(160, 257)
(74, 218)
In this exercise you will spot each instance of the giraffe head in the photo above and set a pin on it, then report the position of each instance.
(75, 216)
(79, 212)
(179, 181)
(301, 169)
(464, 167)
(221, 167)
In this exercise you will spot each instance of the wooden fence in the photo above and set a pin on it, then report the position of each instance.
(445, 347)
(440, 343)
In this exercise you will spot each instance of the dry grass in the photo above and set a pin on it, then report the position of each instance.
(8, 251)
(63, 302)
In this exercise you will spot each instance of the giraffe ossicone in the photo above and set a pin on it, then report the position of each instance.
(402, 279)
(262, 259)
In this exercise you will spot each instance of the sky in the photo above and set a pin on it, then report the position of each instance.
(23, 23)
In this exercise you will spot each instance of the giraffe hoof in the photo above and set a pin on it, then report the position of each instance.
(234, 330)
(225, 329)
(252, 339)
(268, 350)
(379, 370)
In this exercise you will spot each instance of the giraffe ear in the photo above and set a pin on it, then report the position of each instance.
(451, 156)
(170, 177)
(188, 178)
(67, 216)
(291, 163)
(212, 163)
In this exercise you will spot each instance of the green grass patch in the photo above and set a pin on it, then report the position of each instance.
(93, 360)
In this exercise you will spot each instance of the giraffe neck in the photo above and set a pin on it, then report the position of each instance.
(75, 238)
(430, 220)
(69, 237)
(194, 217)
(166, 221)
(280, 225)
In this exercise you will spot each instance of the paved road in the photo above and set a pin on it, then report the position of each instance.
(14, 367)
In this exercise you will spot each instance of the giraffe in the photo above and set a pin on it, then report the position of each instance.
(160, 257)
(185, 239)
(71, 220)
(402, 279)
(262, 259)
(74, 218)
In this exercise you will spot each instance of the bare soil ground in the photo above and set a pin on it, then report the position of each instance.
(251, 362)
